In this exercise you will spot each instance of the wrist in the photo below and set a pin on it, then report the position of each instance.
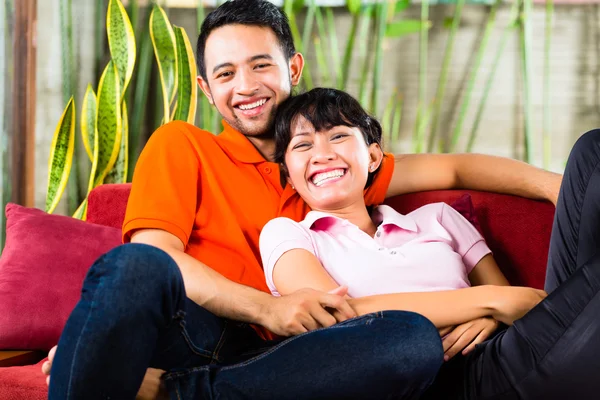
(490, 299)
(260, 313)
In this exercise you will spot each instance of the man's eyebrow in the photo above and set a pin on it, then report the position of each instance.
(251, 59)
(260, 56)
(222, 65)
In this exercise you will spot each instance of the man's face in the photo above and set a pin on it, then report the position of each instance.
(248, 76)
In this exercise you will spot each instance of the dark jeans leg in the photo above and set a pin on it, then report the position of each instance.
(576, 229)
(133, 313)
(553, 352)
(386, 355)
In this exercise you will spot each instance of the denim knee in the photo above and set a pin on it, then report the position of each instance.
(420, 346)
(135, 271)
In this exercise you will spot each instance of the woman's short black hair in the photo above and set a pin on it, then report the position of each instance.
(323, 108)
(245, 12)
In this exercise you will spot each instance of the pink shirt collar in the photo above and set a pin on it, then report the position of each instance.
(382, 215)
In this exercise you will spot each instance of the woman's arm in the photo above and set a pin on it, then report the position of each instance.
(298, 268)
(487, 272)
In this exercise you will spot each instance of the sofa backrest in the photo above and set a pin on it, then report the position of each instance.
(516, 229)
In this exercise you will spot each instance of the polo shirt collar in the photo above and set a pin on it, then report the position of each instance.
(314, 216)
(382, 215)
(386, 215)
(239, 146)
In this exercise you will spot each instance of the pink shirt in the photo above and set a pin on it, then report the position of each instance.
(432, 248)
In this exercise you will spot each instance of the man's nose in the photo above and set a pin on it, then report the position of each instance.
(247, 83)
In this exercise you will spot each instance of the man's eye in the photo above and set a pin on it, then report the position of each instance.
(262, 65)
(224, 74)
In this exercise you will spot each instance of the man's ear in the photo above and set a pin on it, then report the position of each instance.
(205, 88)
(296, 67)
(375, 157)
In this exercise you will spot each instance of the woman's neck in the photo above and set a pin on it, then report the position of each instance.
(356, 214)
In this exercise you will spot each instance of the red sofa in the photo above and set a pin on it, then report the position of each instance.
(516, 229)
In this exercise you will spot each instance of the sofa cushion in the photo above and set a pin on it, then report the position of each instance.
(516, 229)
(28, 382)
(107, 204)
(42, 269)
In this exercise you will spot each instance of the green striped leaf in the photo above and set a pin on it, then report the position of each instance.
(354, 6)
(88, 121)
(61, 156)
(186, 74)
(108, 125)
(118, 173)
(163, 40)
(81, 211)
(121, 41)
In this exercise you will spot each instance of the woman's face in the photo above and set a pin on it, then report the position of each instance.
(329, 169)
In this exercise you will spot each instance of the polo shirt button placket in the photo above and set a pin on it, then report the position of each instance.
(268, 170)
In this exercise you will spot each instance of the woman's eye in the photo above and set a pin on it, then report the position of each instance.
(339, 136)
(301, 146)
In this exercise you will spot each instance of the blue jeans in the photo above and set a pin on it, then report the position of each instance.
(134, 314)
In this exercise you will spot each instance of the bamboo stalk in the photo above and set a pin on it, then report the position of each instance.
(505, 36)
(526, 65)
(441, 89)
(546, 132)
(349, 51)
(334, 50)
(319, 48)
(382, 11)
(423, 49)
(366, 42)
(473, 77)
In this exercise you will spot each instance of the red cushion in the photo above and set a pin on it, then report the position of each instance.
(42, 269)
(19, 383)
(516, 229)
(107, 204)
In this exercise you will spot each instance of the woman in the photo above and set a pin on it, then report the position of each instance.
(431, 261)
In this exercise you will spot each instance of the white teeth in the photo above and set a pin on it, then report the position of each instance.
(252, 105)
(323, 177)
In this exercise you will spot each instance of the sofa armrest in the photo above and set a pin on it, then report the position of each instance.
(12, 358)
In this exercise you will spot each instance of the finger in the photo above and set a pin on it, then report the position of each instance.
(46, 368)
(339, 303)
(463, 341)
(48, 380)
(483, 335)
(324, 318)
(52, 353)
(451, 339)
(444, 331)
(339, 291)
(339, 317)
(309, 323)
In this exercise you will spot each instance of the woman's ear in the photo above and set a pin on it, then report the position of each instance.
(375, 157)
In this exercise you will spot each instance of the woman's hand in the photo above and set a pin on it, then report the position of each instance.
(513, 302)
(465, 337)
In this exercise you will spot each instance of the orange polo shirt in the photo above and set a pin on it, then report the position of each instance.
(215, 193)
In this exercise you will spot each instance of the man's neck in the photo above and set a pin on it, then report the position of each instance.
(264, 145)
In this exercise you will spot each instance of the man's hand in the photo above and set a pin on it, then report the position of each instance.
(465, 337)
(152, 387)
(306, 310)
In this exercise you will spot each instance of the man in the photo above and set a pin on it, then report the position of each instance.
(188, 295)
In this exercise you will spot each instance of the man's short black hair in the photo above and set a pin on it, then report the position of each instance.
(323, 108)
(246, 12)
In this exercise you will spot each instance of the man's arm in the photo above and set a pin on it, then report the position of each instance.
(287, 315)
(421, 172)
